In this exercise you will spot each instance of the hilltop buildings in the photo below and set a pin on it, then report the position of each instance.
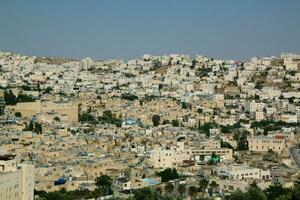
(79, 119)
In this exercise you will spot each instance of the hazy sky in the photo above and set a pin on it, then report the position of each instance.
(235, 29)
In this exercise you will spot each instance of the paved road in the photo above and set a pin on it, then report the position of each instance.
(295, 151)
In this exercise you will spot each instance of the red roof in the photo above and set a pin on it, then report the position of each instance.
(279, 136)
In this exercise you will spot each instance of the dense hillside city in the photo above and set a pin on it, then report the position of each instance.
(157, 127)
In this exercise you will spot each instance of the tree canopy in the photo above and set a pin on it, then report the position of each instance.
(168, 174)
(104, 184)
(156, 120)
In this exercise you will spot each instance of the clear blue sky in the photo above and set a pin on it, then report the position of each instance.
(235, 29)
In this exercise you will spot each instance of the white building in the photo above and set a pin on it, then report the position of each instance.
(259, 116)
(239, 172)
(289, 118)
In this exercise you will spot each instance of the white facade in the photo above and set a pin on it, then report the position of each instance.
(239, 172)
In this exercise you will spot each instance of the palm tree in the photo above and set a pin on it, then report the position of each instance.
(77, 194)
(203, 183)
(96, 193)
(181, 189)
(158, 193)
(169, 188)
(214, 186)
(193, 190)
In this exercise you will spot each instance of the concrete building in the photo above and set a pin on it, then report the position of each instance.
(167, 158)
(264, 144)
(239, 172)
(121, 184)
(16, 181)
(222, 152)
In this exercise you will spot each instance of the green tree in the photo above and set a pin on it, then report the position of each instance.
(181, 188)
(169, 187)
(107, 114)
(258, 85)
(48, 90)
(185, 105)
(166, 122)
(226, 145)
(256, 194)
(295, 192)
(276, 190)
(284, 197)
(38, 128)
(144, 194)
(238, 195)
(110, 118)
(156, 120)
(31, 126)
(104, 183)
(129, 97)
(57, 195)
(203, 183)
(160, 86)
(2, 109)
(9, 98)
(18, 114)
(158, 193)
(241, 139)
(26, 87)
(175, 122)
(168, 174)
(193, 191)
(25, 98)
(214, 186)
(87, 118)
(205, 128)
(38, 87)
